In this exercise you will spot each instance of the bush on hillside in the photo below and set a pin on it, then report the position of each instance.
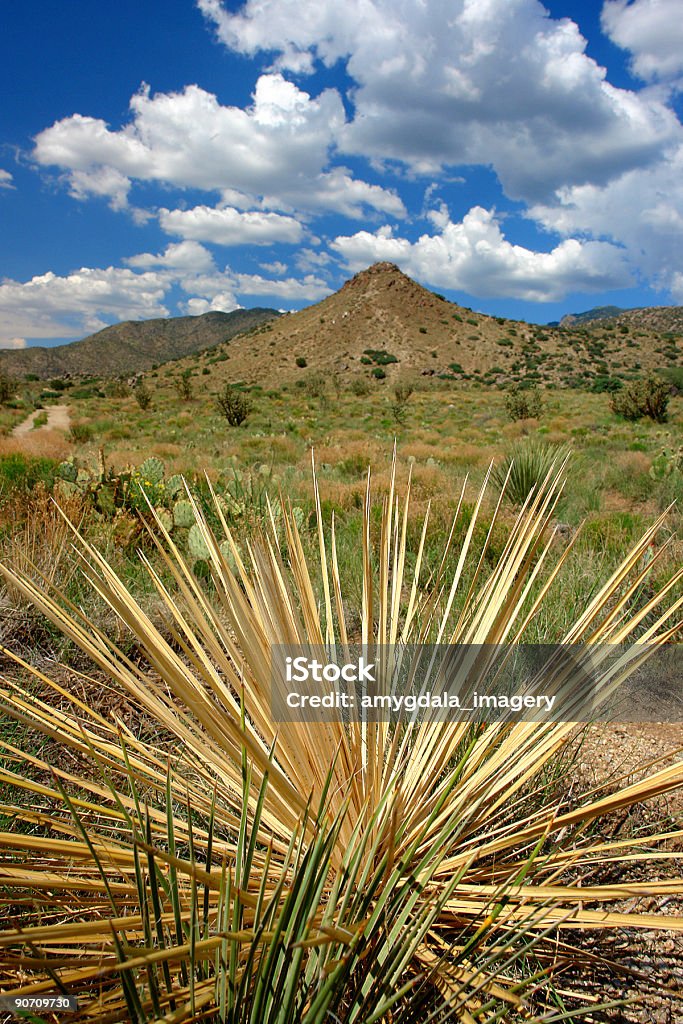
(523, 403)
(143, 396)
(234, 405)
(643, 398)
(183, 385)
(8, 387)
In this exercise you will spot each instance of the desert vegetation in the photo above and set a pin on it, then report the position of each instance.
(168, 852)
(200, 865)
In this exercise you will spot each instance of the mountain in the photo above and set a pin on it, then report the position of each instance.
(133, 346)
(661, 319)
(381, 320)
(596, 313)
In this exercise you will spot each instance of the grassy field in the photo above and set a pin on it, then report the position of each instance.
(165, 673)
(618, 479)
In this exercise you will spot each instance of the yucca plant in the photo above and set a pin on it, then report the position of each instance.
(529, 466)
(242, 870)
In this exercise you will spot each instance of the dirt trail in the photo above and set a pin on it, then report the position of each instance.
(58, 418)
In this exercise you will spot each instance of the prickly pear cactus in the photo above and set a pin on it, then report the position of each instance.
(165, 517)
(67, 471)
(182, 514)
(66, 488)
(174, 486)
(152, 470)
(299, 516)
(196, 544)
(668, 462)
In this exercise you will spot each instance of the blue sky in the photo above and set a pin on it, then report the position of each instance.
(160, 159)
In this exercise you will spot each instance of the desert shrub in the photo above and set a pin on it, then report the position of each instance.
(8, 387)
(301, 362)
(79, 393)
(359, 387)
(50, 394)
(315, 384)
(80, 433)
(523, 403)
(19, 472)
(604, 383)
(234, 405)
(380, 356)
(143, 396)
(399, 407)
(40, 420)
(378, 373)
(58, 384)
(118, 388)
(674, 376)
(643, 398)
(529, 464)
(183, 385)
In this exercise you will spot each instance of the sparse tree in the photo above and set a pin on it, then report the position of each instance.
(234, 405)
(316, 384)
(523, 403)
(8, 387)
(143, 396)
(402, 393)
(183, 385)
(643, 398)
(119, 388)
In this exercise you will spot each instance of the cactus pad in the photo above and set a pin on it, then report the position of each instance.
(152, 469)
(67, 471)
(183, 514)
(196, 544)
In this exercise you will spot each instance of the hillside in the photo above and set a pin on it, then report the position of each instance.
(132, 346)
(381, 321)
(660, 319)
(588, 316)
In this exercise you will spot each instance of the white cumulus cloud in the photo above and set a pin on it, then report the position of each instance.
(277, 150)
(227, 226)
(493, 82)
(474, 256)
(5, 179)
(54, 306)
(641, 209)
(310, 288)
(183, 257)
(652, 31)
